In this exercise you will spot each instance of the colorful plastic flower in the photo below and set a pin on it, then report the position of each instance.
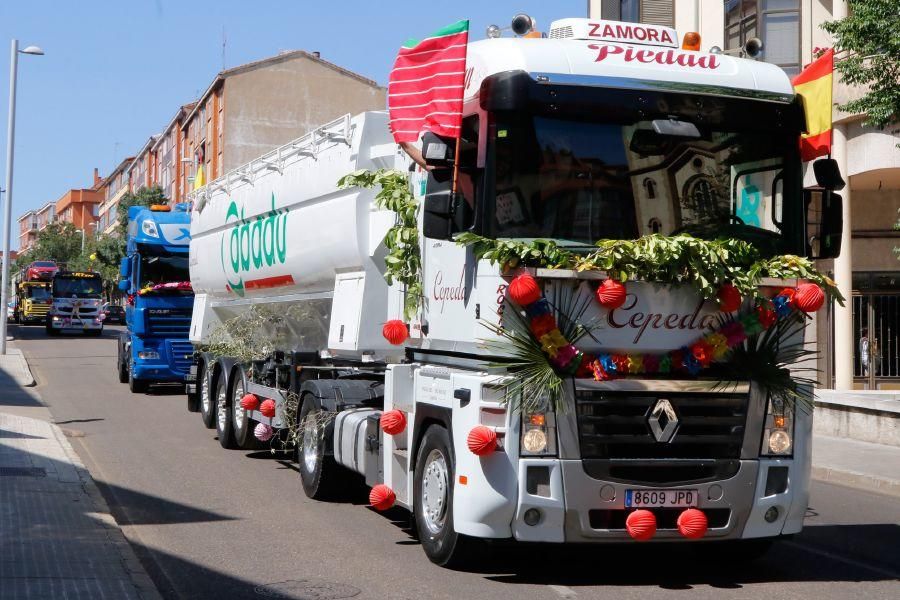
(541, 307)
(635, 363)
(702, 352)
(600, 374)
(651, 363)
(665, 363)
(551, 342)
(608, 364)
(621, 361)
(564, 356)
(692, 365)
(542, 325)
(719, 345)
(766, 316)
(584, 365)
(782, 305)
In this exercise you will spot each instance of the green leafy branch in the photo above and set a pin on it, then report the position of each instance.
(678, 259)
(403, 262)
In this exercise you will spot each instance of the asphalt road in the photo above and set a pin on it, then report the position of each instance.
(211, 523)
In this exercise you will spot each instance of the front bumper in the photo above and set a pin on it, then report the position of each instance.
(67, 324)
(578, 508)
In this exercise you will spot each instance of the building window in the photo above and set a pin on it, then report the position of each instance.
(630, 11)
(775, 22)
(650, 186)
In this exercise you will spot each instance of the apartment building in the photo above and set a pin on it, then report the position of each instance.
(867, 271)
(142, 171)
(28, 230)
(251, 109)
(112, 189)
(81, 207)
(170, 156)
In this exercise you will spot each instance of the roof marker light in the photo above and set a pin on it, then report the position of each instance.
(160, 208)
(691, 41)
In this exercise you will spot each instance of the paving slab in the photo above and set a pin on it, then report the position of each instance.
(57, 538)
(872, 467)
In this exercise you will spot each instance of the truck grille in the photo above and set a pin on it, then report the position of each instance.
(169, 322)
(617, 425)
(181, 352)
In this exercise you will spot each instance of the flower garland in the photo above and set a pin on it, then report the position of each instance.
(174, 286)
(569, 360)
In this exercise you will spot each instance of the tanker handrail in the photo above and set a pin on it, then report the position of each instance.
(339, 130)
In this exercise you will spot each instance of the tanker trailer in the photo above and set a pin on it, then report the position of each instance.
(612, 292)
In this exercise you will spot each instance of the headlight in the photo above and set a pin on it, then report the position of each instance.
(149, 229)
(539, 434)
(148, 355)
(778, 433)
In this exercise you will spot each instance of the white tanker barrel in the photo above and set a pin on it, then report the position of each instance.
(278, 232)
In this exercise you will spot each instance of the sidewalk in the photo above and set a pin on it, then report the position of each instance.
(57, 538)
(863, 465)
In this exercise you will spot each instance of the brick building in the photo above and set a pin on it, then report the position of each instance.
(81, 207)
(113, 188)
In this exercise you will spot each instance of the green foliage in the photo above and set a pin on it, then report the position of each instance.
(678, 259)
(403, 262)
(58, 241)
(870, 35)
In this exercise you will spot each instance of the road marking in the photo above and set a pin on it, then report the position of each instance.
(850, 561)
(564, 592)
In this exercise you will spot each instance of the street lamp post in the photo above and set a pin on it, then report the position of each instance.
(10, 142)
(83, 232)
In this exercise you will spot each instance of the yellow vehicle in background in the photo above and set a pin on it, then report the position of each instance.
(33, 301)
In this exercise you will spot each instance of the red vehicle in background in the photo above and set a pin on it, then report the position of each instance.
(41, 270)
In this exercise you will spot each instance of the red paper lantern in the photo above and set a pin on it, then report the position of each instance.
(395, 331)
(611, 294)
(809, 297)
(641, 525)
(249, 402)
(381, 497)
(692, 523)
(524, 290)
(729, 298)
(482, 440)
(267, 408)
(393, 422)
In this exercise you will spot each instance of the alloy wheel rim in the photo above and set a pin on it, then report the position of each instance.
(310, 443)
(204, 394)
(239, 412)
(435, 491)
(221, 409)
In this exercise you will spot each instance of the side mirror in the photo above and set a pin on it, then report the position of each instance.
(437, 215)
(125, 267)
(824, 223)
(828, 176)
(123, 285)
(438, 151)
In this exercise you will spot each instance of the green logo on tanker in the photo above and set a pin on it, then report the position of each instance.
(252, 243)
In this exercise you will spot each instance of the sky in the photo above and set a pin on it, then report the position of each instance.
(115, 72)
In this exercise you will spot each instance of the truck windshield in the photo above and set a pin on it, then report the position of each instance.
(38, 293)
(80, 287)
(579, 181)
(157, 269)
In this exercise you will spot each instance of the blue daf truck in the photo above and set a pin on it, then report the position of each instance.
(154, 274)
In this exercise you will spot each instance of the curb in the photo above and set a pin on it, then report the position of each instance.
(881, 485)
(139, 577)
(22, 372)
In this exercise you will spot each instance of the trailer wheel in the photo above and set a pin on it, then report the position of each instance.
(433, 501)
(318, 471)
(121, 363)
(207, 401)
(223, 415)
(240, 418)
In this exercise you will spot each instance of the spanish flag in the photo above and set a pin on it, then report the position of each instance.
(813, 84)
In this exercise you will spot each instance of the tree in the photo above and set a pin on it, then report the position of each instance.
(59, 242)
(870, 36)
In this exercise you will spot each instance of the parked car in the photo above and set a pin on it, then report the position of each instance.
(113, 313)
(10, 311)
(41, 270)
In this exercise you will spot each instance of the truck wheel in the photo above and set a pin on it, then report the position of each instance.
(207, 402)
(318, 471)
(123, 371)
(240, 418)
(137, 386)
(224, 428)
(433, 501)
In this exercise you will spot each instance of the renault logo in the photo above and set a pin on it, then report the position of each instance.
(663, 421)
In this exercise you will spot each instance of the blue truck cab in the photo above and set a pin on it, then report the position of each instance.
(154, 274)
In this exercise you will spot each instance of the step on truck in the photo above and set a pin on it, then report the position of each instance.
(75, 303)
(154, 347)
(589, 135)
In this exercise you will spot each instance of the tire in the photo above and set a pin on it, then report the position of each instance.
(241, 422)
(123, 371)
(433, 502)
(318, 470)
(136, 386)
(193, 400)
(223, 415)
(206, 397)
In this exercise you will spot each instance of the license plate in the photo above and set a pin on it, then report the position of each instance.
(660, 498)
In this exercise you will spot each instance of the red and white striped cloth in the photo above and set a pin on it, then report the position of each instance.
(425, 92)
